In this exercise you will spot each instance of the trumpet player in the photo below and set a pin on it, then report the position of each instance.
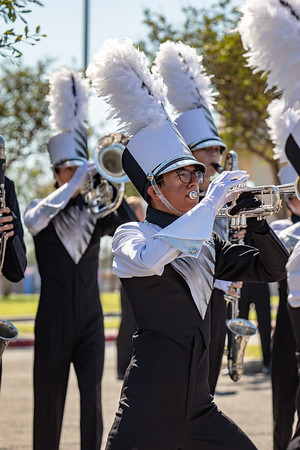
(167, 266)
(292, 150)
(69, 323)
(285, 383)
(190, 93)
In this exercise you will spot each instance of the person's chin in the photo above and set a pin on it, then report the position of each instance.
(190, 204)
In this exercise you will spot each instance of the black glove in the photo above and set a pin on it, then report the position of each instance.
(246, 201)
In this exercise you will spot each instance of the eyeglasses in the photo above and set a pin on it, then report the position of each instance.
(186, 176)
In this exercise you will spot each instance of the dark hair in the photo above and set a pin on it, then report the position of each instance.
(160, 180)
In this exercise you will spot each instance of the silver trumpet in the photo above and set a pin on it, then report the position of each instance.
(8, 333)
(102, 198)
(271, 202)
(270, 197)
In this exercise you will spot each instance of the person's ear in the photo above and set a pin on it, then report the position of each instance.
(151, 192)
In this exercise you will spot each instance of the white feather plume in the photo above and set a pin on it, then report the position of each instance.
(189, 87)
(68, 97)
(120, 74)
(280, 125)
(270, 32)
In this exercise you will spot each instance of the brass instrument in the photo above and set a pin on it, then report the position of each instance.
(218, 167)
(8, 333)
(267, 207)
(240, 329)
(101, 196)
(270, 197)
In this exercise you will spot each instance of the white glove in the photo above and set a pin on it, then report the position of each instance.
(223, 285)
(218, 192)
(293, 277)
(39, 213)
(81, 176)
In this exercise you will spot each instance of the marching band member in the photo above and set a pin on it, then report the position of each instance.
(190, 93)
(14, 256)
(293, 277)
(275, 51)
(284, 383)
(167, 266)
(292, 150)
(69, 324)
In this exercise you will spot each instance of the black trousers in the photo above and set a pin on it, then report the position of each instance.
(56, 347)
(283, 374)
(165, 401)
(218, 336)
(259, 294)
(124, 340)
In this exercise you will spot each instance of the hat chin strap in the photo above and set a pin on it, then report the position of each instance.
(163, 198)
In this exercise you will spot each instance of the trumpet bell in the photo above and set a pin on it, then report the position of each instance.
(108, 161)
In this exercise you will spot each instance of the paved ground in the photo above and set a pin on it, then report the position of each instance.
(248, 402)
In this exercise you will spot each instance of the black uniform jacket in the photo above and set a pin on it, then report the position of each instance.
(61, 277)
(164, 303)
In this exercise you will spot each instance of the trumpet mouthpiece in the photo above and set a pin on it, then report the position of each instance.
(193, 195)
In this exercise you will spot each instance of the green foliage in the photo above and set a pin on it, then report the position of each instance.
(24, 124)
(10, 12)
(241, 102)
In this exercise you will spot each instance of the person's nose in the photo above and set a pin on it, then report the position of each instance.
(215, 152)
(194, 181)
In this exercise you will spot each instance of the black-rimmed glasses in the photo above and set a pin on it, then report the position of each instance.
(186, 176)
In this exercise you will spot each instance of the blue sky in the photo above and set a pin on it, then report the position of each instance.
(62, 22)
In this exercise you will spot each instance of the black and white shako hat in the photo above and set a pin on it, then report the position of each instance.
(274, 50)
(281, 124)
(190, 93)
(137, 99)
(67, 99)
